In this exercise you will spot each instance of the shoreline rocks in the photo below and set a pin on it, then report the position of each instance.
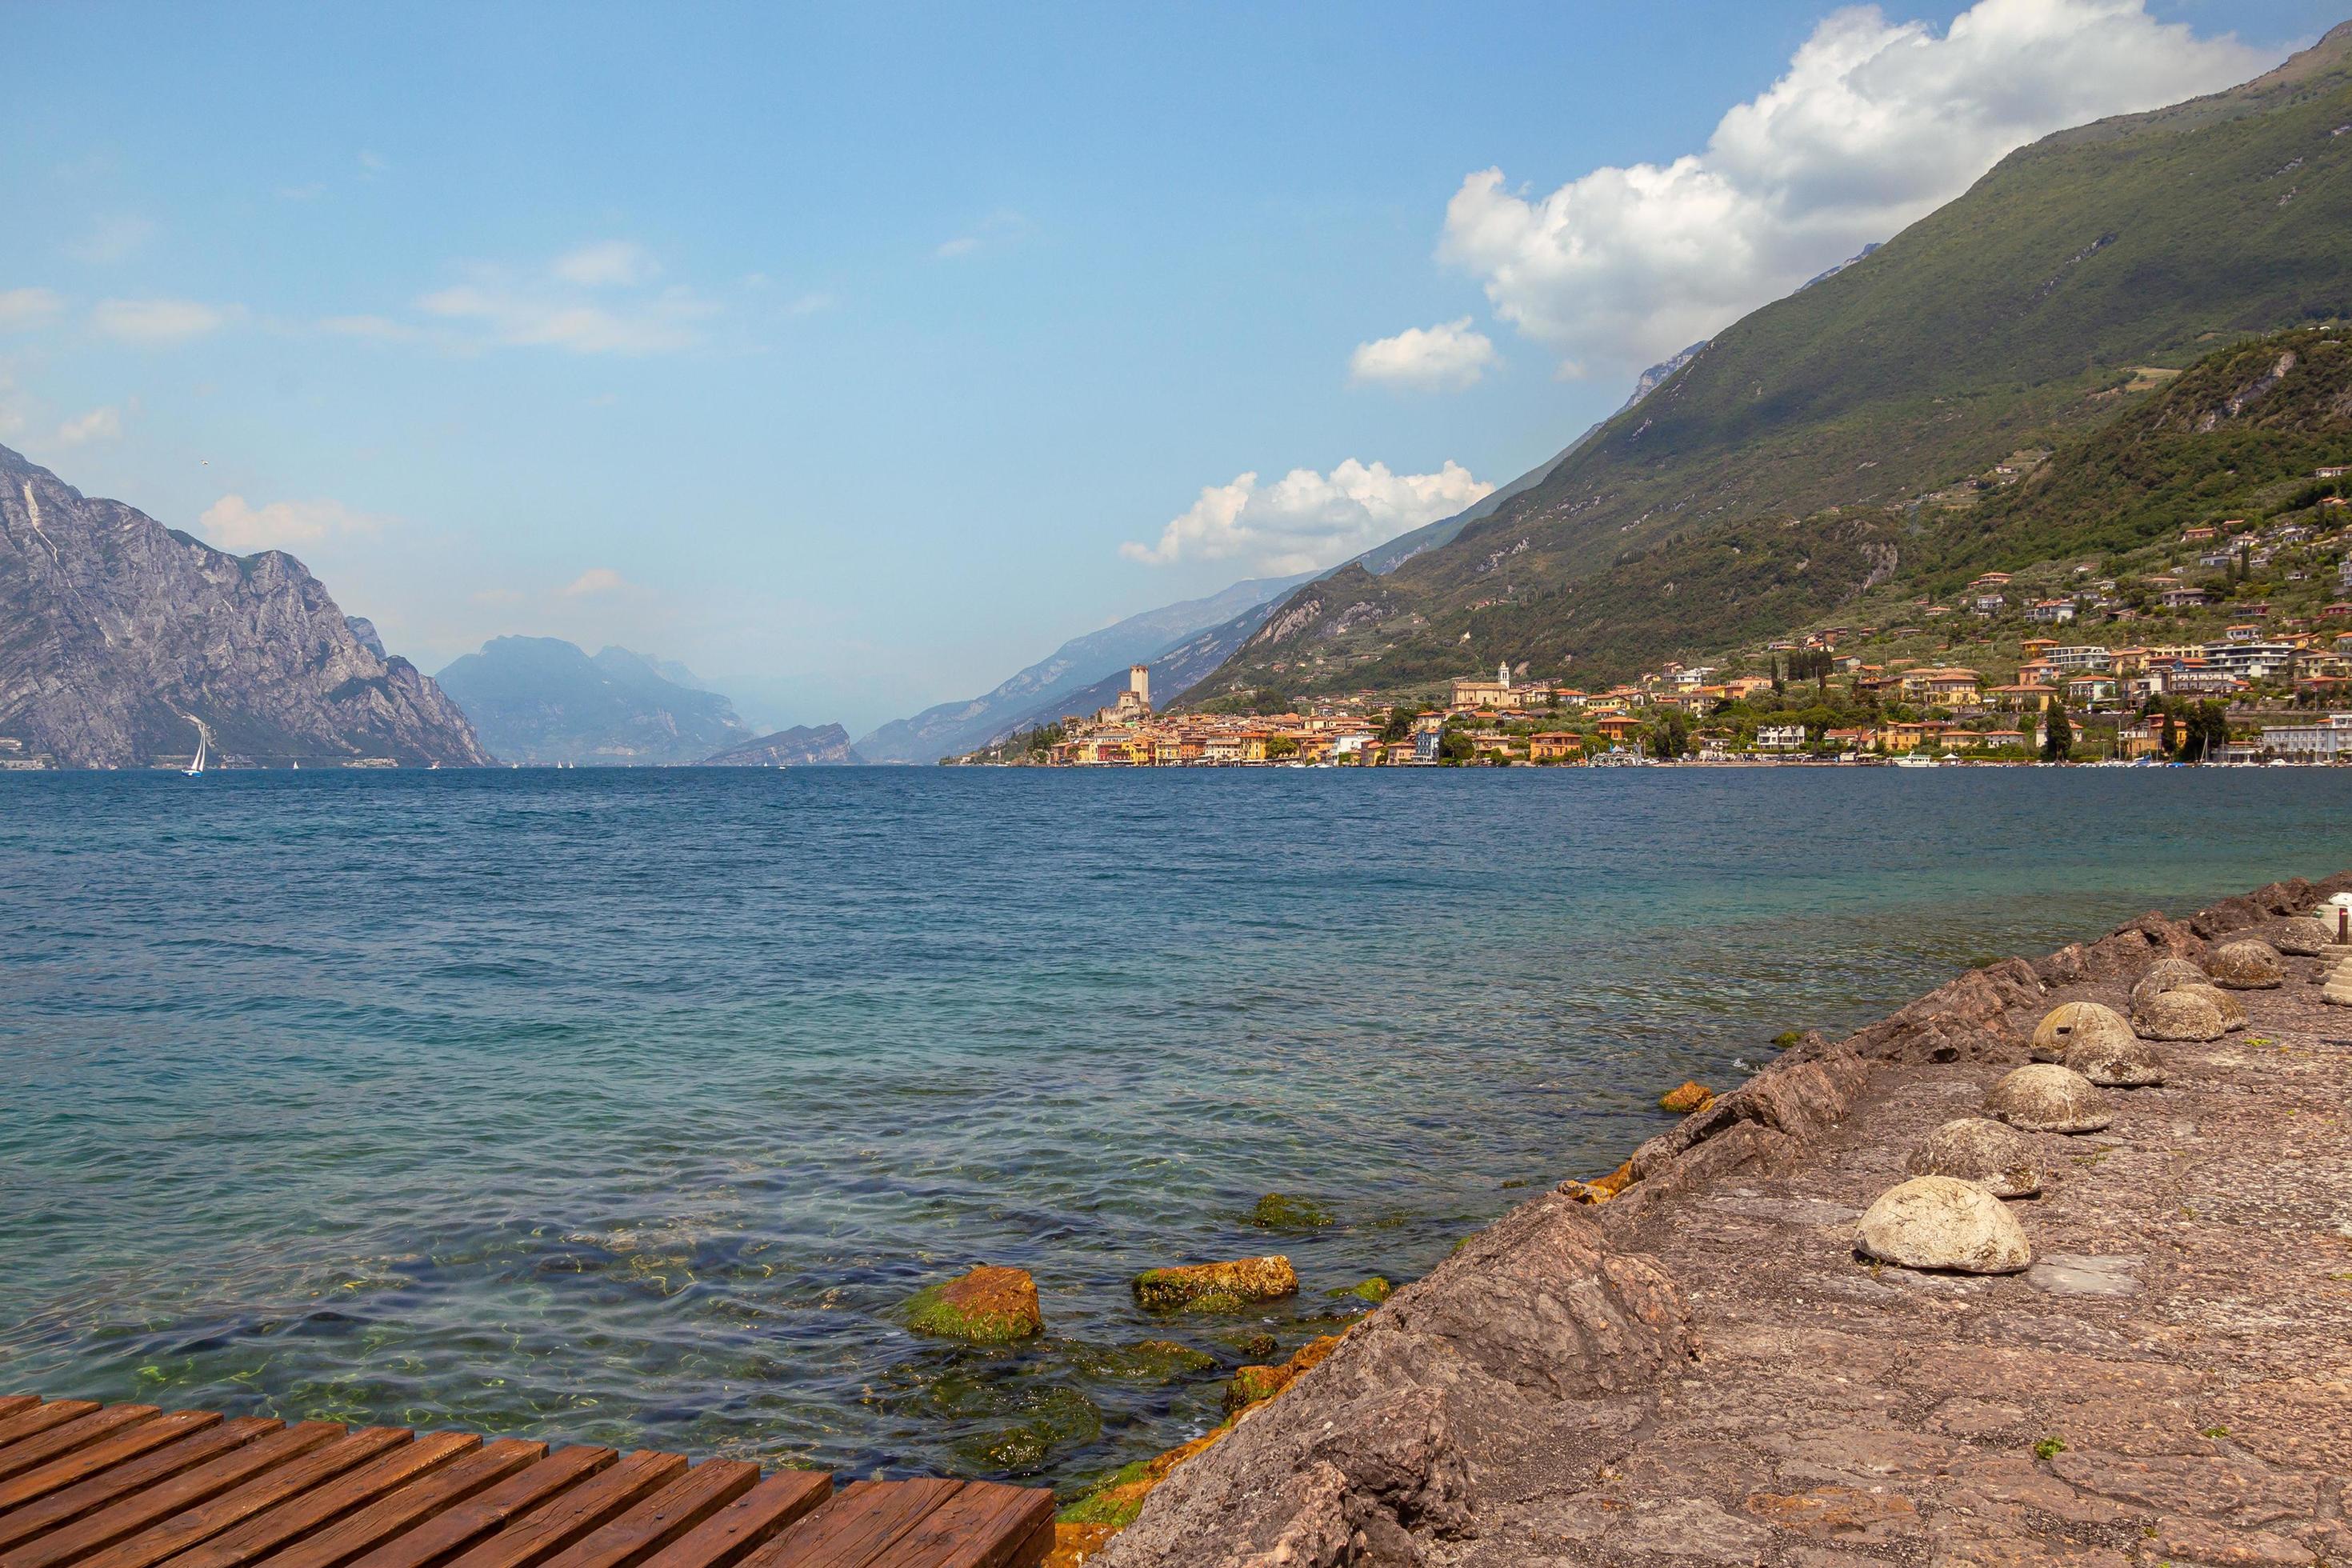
(985, 1306)
(1229, 1287)
(2073, 1024)
(1686, 1097)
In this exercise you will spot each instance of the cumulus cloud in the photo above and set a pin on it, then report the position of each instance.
(1305, 520)
(595, 579)
(98, 425)
(159, 322)
(606, 263)
(590, 300)
(1873, 125)
(1446, 356)
(116, 238)
(235, 525)
(23, 309)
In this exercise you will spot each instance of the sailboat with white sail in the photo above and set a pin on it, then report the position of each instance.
(195, 770)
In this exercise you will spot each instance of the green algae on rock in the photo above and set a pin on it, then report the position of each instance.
(986, 1306)
(1217, 1286)
(1375, 1289)
(1281, 1211)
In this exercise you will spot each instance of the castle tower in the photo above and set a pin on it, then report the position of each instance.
(1503, 673)
(1138, 682)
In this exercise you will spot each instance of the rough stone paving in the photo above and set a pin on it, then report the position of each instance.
(1701, 1371)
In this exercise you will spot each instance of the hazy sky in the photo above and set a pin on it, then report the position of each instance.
(856, 355)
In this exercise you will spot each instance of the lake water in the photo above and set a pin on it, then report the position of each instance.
(628, 1106)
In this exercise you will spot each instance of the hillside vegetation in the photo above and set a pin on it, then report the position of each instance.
(1783, 472)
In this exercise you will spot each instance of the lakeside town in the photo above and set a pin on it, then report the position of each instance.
(2215, 648)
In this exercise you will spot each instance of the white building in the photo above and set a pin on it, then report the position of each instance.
(1780, 737)
(2325, 742)
(2078, 659)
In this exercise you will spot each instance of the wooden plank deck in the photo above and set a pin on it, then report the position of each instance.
(84, 1485)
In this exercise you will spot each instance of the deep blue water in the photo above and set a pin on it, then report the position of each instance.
(628, 1106)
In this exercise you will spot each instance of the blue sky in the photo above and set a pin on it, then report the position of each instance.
(838, 352)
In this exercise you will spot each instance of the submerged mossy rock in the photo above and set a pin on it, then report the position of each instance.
(1172, 1356)
(2183, 1014)
(1279, 1211)
(1939, 1222)
(1253, 1384)
(1376, 1291)
(2247, 965)
(1217, 1286)
(2046, 1097)
(2071, 1024)
(1686, 1097)
(1974, 1149)
(987, 1305)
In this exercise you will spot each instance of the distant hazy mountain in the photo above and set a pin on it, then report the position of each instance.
(541, 699)
(953, 728)
(120, 636)
(802, 746)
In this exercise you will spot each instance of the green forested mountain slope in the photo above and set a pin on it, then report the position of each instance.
(2015, 317)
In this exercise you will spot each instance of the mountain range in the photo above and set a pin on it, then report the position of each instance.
(1785, 466)
(121, 640)
(541, 701)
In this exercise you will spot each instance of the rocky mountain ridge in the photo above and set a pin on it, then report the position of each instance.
(542, 700)
(121, 638)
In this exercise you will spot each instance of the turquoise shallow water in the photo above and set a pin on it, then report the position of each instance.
(627, 1106)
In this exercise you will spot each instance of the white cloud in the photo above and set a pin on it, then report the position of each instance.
(962, 245)
(1873, 125)
(812, 303)
(595, 579)
(588, 300)
(113, 238)
(1448, 357)
(159, 322)
(373, 328)
(98, 425)
(1000, 227)
(1306, 521)
(23, 309)
(606, 263)
(234, 525)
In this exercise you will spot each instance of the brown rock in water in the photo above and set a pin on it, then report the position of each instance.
(1255, 1384)
(1686, 1097)
(2043, 1098)
(2127, 1063)
(2246, 966)
(2167, 974)
(1217, 1286)
(1940, 1222)
(2070, 1024)
(2181, 1015)
(1974, 1149)
(985, 1305)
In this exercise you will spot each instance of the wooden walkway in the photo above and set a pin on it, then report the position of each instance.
(129, 1486)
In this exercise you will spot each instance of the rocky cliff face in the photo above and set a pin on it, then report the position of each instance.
(118, 636)
(802, 746)
(538, 700)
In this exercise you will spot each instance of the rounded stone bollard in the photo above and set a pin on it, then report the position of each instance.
(2181, 1015)
(1941, 1222)
(2070, 1024)
(2234, 1011)
(1973, 1149)
(2246, 966)
(2129, 1063)
(2167, 974)
(2045, 1098)
(2300, 935)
